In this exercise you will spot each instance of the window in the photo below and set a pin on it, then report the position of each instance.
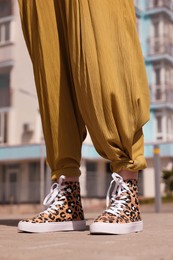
(167, 75)
(155, 3)
(159, 127)
(158, 94)
(5, 21)
(156, 43)
(159, 123)
(91, 179)
(3, 127)
(34, 182)
(156, 29)
(4, 88)
(157, 46)
(34, 172)
(4, 32)
(12, 184)
(91, 166)
(157, 76)
(5, 8)
(4, 79)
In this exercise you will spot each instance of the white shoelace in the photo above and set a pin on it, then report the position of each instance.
(120, 187)
(54, 196)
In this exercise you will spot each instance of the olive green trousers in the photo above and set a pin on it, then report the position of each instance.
(89, 73)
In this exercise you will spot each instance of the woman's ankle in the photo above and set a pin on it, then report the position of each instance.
(72, 179)
(128, 175)
(68, 179)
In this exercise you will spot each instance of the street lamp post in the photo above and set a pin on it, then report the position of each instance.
(156, 151)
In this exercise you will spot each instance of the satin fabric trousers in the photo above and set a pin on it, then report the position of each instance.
(89, 72)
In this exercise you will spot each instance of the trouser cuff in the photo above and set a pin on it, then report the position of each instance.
(130, 165)
(68, 172)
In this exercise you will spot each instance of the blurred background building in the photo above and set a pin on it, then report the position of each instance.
(22, 151)
(156, 35)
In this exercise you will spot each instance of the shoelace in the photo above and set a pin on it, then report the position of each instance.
(120, 187)
(55, 196)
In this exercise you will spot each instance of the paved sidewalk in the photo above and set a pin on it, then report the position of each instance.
(155, 243)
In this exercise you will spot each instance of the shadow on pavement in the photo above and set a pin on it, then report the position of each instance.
(14, 223)
(9, 222)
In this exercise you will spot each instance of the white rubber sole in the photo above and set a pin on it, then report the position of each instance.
(52, 226)
(115, 228)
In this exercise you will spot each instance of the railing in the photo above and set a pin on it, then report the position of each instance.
(160, 45)
(151, 4)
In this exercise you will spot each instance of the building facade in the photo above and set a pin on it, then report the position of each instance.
(24, 174)
(19, 114)
(156, 36)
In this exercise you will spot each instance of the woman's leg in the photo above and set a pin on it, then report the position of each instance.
(64, 129)
(113, 97)
(110, 78)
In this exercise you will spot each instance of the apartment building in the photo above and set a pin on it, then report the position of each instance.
(24, 174)
(19, 114)
(157, 42)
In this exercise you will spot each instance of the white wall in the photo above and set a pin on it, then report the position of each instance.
(24, 105)
(83, 177)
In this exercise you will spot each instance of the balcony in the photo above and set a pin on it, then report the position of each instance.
(155, 7)
(152, 4)
(161, 95)
(6, 29)
(160, 48)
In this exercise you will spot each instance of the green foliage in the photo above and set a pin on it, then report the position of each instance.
(168, 180)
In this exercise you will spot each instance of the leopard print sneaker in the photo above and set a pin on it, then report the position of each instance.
(123, 215)
(64, 212)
